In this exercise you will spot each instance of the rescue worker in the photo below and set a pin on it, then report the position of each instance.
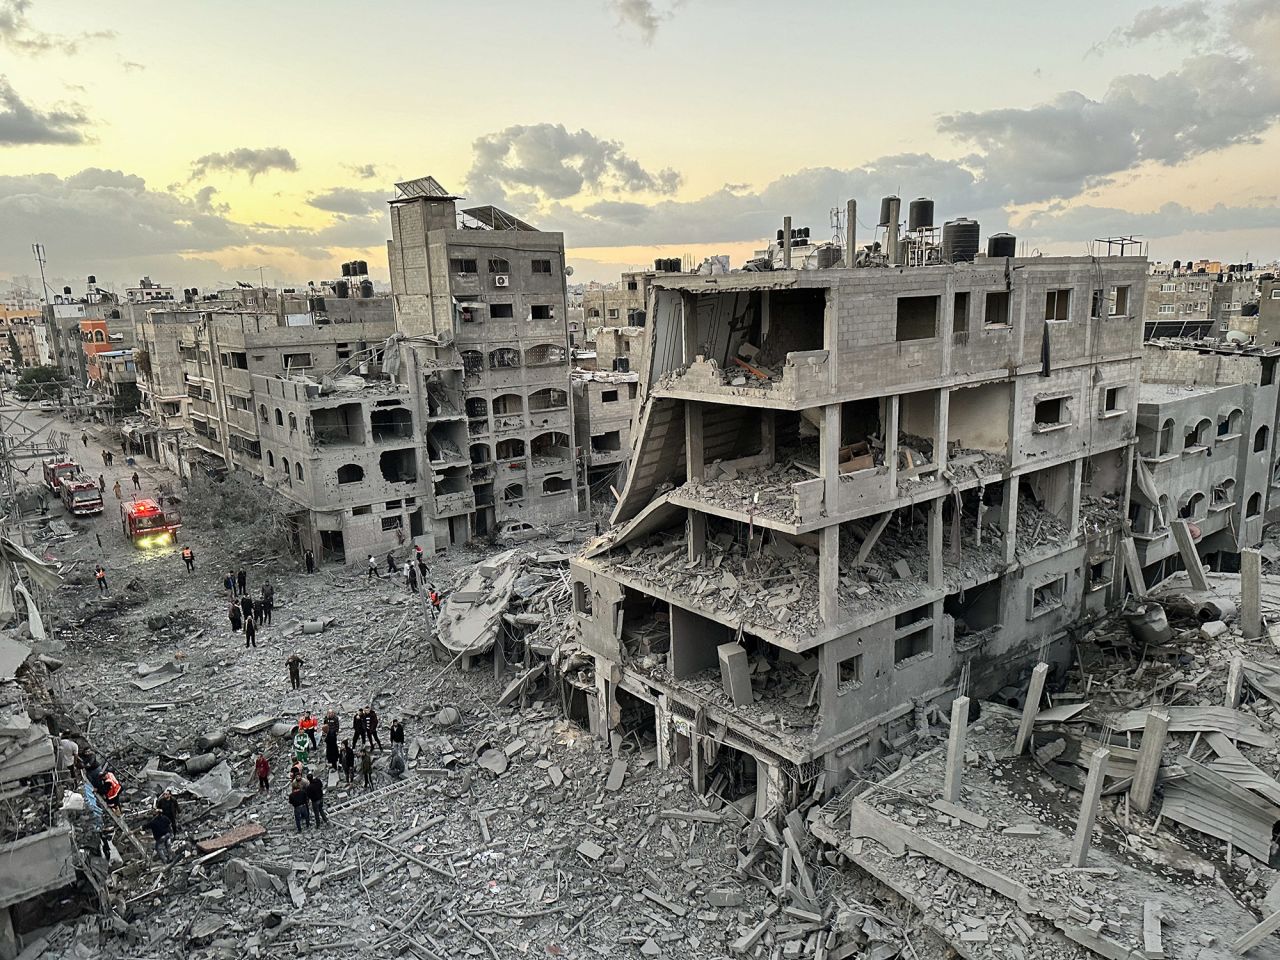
(111, 787)
(168, 805)
(101, 576)
(315, 793)
(189, 558)
(162, 832)
(137, 483)
(308, 725)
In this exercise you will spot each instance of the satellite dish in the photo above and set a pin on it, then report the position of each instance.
(568, 271)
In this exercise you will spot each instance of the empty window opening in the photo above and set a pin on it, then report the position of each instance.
(350, 473)
(542, 311)
(340, 425)
(284, 463)
(1057, 305)
(279, 417)
(545, 355)
(462, 265)
(1229, 426)
(472, 362)
(960, 313)
(296, 361)
(499, 265)
(608, 396)
(501, 311)
(918, 317)
(395, 423)
(481, 454)
(548, 399)
(581, 598)
(365, 511)
(236, 360)
(1268, 372)
(1254, 506)
(978, 421)
(399, 466)
(262, 412)
(974, 612)
(540, 266)
(918, 643)
(512, 492)
(552, 446)
(1113, 400)
(850, 674)
(1165, 438)
(1197, 436)
(610, 442)
(293, 423)
(1048, 596)
(271, 459)
(1260, 439)
(556, 485)
(393, 523)
(908, 617)
(1223, 493)
(477, 407)
(512, 449)
(504, 358)
(1052, 412)
(1099, 571)
(996, 313)
(1118, 301)
(1193, 506)
(297, 469)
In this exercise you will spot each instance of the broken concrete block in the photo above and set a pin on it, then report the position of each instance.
(617, 773)
(902, 570)
(247, 727)
(592, 851)
(724, 898)
(556, 775)
(1213, 630)
(232, 838)
(735, 673)
(495, 761)
(447, 717)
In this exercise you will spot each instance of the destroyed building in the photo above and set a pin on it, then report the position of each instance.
(1206, 452)
(604, 404)
(850, 486)
(480, 298)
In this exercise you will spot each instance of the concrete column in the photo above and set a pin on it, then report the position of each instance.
(935, 543)
(697, 534)
(1149, 754)
(891, 439)
(694, 448)
(662, 714)
(829, 574)
(689, 325)
(1089, 807)
(769, 789)
(1190, 558)
(1251, 593)
(786, 243)
(766, 315)
(1235, 682)
(955, 749)
(850, 232)
(829, 456)
(941, 421)
(1030, 708)
(8, 939)
(769, 435)
(1075, 474)
(1009, 519)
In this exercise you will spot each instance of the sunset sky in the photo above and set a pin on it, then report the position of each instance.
(197, 142)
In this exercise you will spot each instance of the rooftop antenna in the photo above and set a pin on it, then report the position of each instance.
(38, 250)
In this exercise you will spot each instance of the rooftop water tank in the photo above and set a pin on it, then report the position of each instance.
(1002, 245)
(920, 214)
(960, 240)
(886, 210)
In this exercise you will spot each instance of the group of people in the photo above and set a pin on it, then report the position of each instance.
(414, 571)
(247, 613)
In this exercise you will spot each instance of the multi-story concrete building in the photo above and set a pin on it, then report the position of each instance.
(30, 338)
(851, 489)
(1178, 305)
(480, 298)
(222, 350)
(346, 453)
(148, 291)
(1206, 448)
(604, 405)
(64, 318)
(1268, 333)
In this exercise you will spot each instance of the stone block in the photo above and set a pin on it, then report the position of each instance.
(735, 673)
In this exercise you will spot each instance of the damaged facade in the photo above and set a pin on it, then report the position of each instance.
(849, 488)
(480, 299)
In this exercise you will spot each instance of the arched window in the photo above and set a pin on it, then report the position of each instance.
(504, 358)
(284, 462)
(554, 445)
(1260, 440)
(545, 355)
(297, 469)
(1198, 435)
(1165, 445)
(548, 398)
(480, 453)
(556, 485)
(1193, 506)
(1254, 506)
(99, 336)
(262, 412)
(514, 491)
(1230, 424)
(350, 473)
(271, 459)
(279, 418)
(510, 449)
(293, 422)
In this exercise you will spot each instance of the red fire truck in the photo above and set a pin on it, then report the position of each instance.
(145, 524)
(57, 469)
(81, 496)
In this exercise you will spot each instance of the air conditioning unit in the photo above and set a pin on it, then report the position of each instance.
(502, 280)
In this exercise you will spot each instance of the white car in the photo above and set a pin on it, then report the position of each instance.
(48, 405)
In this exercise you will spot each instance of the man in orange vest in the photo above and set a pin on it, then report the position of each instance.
(189, 558)
(101, 576)
(308, 725)
(112, 788)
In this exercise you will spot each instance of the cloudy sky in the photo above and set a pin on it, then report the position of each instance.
(198, 142)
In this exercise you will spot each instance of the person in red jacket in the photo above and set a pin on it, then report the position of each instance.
(308, 725)
(263, 769)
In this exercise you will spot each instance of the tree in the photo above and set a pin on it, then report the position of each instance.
(14, 351)
(40, 383)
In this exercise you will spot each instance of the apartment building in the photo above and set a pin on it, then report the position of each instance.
(854, 490)
(604, 404)
(27, 337)
(64, 319)
(480, 298)
(1206, 451)
(1178, 305)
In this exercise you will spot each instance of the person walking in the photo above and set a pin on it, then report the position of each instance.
(137, 484)
(167, 804)
(250, 633)
(294, 663)
(311, 562)
(268, 600)
(84, 438)
(262, 767)
(422, 567)
(111, 458)
(229, 584)
(100, 575)
(300, 802)
(366, 768)
(241, 579)
(102, 483)
(257, 611)
(371, 727)
(104, 458)
(331, 745)
(347, 757)
(391, 565)
(358, 733)
(189, 558)
(116, 489)
(397, 734)
(233, 614)
(315, 793)
(162, 832)
(246, 607)
(373, 568)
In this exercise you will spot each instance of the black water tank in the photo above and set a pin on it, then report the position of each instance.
(366, 289)
(829, 256)
(346, 269)
(364, 268)
(66, 291)
(959, 240)
(1002, 245)
(886, 210)
(92, 279)
(342, 289)
(920, 214)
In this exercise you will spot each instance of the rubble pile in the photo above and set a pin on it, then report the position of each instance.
(1038, 527)
(764, 492)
